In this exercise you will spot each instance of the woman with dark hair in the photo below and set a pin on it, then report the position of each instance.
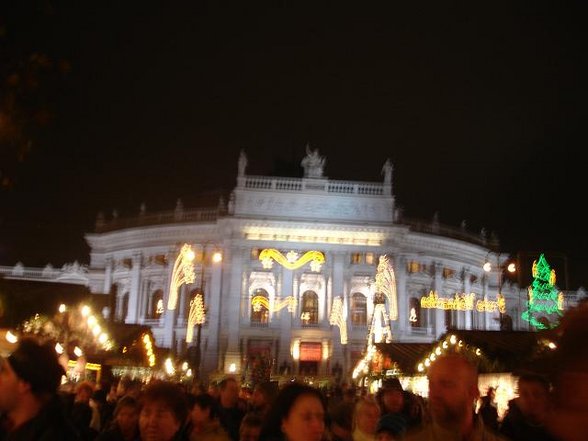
(204, 424)
(164, 409)
(298, 414)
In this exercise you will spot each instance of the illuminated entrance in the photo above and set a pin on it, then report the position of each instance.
(310, 358)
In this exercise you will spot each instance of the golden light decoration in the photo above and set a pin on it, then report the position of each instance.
(413, 317)
(449, 344)
(149, 349)
(258, 302)
(183, 272)
(197, 315)
(386, 284)
(464, 302)
(291, 260)
(337, 319)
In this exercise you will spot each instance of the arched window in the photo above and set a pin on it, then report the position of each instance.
(310, 307)
(156, 304)
(358, 309)
(414, 311)
(259, 307)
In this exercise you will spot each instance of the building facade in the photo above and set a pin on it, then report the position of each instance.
(440, 280)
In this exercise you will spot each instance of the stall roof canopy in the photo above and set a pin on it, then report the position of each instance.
(504, 351)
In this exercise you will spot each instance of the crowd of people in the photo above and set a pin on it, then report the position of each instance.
(35, 406)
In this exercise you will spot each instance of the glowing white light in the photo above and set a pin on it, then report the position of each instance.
(189, 373)
(10, 337)
(102, 338)
(185, 366)
(58, 348)
(487, 267)
(78, 351)
(92, 321)
(232, 368)
(62, 308)
(96, 330)
(217, 257)
(169, 367)
(292, 256)
(438, 351)
(452, 339)
(85, 311)
(552, 345)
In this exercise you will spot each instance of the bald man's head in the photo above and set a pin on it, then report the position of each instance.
(453, 389)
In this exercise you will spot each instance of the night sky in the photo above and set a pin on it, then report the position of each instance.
(479, 107)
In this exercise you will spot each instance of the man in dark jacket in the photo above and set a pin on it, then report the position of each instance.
(30, 407)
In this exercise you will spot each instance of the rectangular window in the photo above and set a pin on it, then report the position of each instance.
(370, 258)
(448, 273)
(414, 267)
(356, 258)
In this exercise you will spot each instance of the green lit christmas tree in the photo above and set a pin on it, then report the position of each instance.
(545, 304)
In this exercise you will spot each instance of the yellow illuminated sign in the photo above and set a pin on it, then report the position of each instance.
(337, 318)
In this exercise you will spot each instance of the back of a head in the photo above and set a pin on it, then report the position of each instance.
(206, 401)
(126, 402)
(37, 365)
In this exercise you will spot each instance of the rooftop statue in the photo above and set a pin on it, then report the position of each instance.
(387, 171)
(313, 163)
(242, 165)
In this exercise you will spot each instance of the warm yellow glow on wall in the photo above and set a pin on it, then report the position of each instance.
(296, 350)
(338, 320)
(314, 235)
(291, 260)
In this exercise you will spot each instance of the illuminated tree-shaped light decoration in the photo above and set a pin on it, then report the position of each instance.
(183, 272)
(380, 330)
(544, 306)
(197, 315)
(338, 319)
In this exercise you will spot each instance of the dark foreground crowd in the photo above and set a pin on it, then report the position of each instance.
(34, 406)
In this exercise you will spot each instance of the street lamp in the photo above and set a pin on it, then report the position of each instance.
(197, 315)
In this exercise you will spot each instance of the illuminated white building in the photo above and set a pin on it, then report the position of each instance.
(350, 223)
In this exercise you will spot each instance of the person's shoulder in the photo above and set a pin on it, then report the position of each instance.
(419, 433)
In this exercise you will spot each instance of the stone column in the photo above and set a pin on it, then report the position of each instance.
(107, 277)
(214, 304)
(401, 292)
(134, 292)
(231, 308)
(439, 313)
(467, 288)
(169, 315)
(285, 316)
(338, 290)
